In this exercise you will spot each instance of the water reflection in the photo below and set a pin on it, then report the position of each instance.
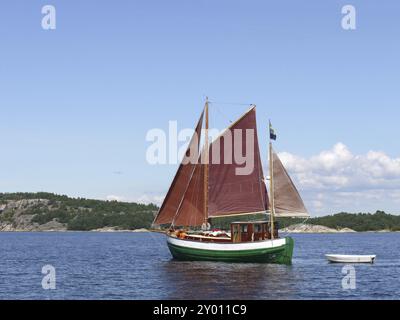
(212, 280)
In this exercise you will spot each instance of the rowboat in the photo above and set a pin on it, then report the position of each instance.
(340, 258)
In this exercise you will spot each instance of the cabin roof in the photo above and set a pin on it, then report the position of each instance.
(250, 222)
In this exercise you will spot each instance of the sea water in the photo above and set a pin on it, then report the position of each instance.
(89, 265)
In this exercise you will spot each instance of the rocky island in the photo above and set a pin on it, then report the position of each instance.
(50, 212)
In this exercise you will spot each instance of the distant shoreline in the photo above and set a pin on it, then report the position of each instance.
(108, 230)
(48, 212)
(105, 230)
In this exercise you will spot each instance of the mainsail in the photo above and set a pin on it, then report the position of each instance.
(287, 200)
(232, 193)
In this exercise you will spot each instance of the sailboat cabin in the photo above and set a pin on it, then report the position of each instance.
(241, 232)
(251, 231)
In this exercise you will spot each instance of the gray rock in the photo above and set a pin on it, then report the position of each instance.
(309, 228)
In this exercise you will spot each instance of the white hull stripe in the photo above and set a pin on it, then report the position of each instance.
(268, 244)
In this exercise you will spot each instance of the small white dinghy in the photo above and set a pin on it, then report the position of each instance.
(340, 258)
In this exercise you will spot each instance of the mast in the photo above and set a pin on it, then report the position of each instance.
(271, 184)
(206, 165)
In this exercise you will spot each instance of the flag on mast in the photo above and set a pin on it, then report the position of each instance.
(272, 134)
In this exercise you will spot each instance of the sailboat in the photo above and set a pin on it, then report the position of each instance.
(207, 186)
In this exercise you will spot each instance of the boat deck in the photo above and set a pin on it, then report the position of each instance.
(207, 238)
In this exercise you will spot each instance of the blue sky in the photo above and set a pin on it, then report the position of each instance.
(76, 102)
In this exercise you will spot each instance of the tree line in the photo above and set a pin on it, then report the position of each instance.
(82, 214)
(88, 214)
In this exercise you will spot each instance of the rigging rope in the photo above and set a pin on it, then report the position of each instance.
(230, 103)
(224, 115)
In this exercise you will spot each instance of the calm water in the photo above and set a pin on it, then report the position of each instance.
(139, 266)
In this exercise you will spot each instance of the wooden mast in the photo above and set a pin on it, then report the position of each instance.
(206, 166)
(271, 187)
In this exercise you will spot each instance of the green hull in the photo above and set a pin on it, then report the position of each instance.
(278, 255)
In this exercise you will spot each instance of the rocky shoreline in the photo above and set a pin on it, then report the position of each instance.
(19, 216)
(289, 230)
(142, 230)
(309, 228)
(22, 216)
(9, 228)
(298, 228)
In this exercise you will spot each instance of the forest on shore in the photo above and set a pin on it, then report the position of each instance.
(78, 214)
(24, 210)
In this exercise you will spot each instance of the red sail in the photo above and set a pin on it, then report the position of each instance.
(191, 211)
(232, 192)
(180, 184)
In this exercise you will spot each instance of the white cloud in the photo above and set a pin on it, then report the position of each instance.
(337, 179)
(148, 198)
(115, 198)
(145, 198)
